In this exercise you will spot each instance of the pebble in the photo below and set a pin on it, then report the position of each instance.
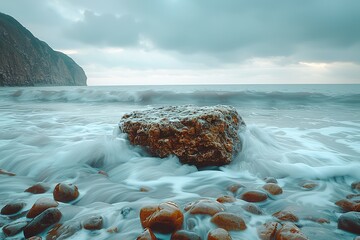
(254, 196)
(229, 221)
(164, 218)
(40, 206)
(47, 218)
(219, 234)
(147, 234)
(204, 206)
(38, 188)
(64, 192)
(286, 216)
(273, 188)
(93, 223)
(185, 235)
(14, 228)
(12, 208)
(350, 222)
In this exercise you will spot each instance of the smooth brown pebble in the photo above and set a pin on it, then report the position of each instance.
(219, 234)
(268, 230)
(12, 208)
(185, 235)
(41, 222)
(234, 187)
(164, 218)
(14, 228)
(93, 223)
(286, 216)
(64, 192)
(38, 188)
(290, 232)
(229, 221)
(254, 196)
(273, 188)
(147, 234)
(204, 206)
(308, 185)
(350, 222)
(41, 205)
(252, 208)
(63, 231)
(226, 199)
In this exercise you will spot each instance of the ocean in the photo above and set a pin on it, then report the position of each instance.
(295, 133)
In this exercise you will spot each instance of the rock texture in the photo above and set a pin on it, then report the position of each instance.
(27, 61)
(202, 136)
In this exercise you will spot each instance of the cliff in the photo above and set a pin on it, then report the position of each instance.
(27, 61)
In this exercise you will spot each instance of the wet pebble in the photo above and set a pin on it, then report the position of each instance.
(348, 206)
(41, 222)
(204, 206)
(308, 185)
(268, 230)
(235, 187)
(40, 206)
(12, 208)
(64, 192)
(254, 196)
(147, 234)
(350, 222)
(219, 234)
(14, 228)
(38, 188)
(163, 218)
(229, 221)
(286, 216)
(93, 223)
(63, 231)
(273, 188)
(226, 199)
(185, 235)
(290, 232)
(252, 208)
(35, 238)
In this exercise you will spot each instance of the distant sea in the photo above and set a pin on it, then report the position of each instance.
(295, 133)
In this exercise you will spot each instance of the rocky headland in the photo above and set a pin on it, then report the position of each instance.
(28, 61)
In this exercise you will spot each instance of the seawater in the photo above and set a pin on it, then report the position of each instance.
(294, 133)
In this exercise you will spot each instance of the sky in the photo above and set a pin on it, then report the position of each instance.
(127, 42)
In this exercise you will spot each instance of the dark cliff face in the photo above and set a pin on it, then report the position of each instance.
(27, 61)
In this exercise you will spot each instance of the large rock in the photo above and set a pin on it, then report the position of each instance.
(27, 61)
(202, 136)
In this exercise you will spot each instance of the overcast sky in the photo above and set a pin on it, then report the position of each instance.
(200, 41)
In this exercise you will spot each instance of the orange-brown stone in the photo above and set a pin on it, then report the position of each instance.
(201, 136)
(185, 235)
(308, 185)
(273, 188)
(63, 231)
(41, 205)
(226, 199)
(147, 234)
(35, 238)
(254, 196)
(350, 222)
(229, 221)
(41, 222)
(290, 232)
(65, 192)
(286, 216)
(14, 228)
(163, 218)
(234, 187)
(204, 206)
(219, 234)
(38, 188)
(12, 208)
(252, 208)
(93, 223)
(348, 206)
(268, 230)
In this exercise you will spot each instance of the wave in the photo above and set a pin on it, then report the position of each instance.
(145, 97)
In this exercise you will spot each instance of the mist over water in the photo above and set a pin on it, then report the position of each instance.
(294, 133)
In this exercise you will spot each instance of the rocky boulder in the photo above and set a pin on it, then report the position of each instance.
(201, 136)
